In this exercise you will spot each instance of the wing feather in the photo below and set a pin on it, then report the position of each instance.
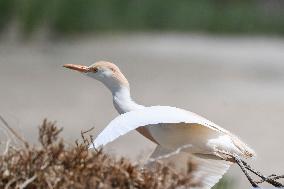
(153, 115)
(210, 171)
(207, 171)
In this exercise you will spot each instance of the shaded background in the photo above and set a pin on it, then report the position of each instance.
(221, 59)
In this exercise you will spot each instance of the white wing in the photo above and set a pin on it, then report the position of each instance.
(157, 117)
(173, 128)
(154, 115)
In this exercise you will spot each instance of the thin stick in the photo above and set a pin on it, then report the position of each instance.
(84, 132)
(93, 144)
(7, 147)
(14, 132)
(241, 165)
(266, 179)
(27, 182)
(83, 135)
(273, 177)
(177, 151)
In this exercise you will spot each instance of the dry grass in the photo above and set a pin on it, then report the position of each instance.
(55, 165)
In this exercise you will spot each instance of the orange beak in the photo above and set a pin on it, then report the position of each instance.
(80, 68)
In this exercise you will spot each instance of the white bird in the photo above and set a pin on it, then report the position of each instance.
(169, 127)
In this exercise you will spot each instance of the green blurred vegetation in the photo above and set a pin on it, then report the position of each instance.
(76, 16)
(225, 183)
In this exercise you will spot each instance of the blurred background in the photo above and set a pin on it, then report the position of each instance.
(222, 59)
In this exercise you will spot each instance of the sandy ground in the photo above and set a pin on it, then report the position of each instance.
(236, 82)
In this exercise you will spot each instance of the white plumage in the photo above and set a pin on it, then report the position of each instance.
(170, 128)
(173, 128)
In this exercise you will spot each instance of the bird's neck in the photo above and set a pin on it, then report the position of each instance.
(122, 100)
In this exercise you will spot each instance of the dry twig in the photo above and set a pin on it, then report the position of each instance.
(18, 136)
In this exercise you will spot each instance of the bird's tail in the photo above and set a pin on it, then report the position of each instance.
(209, 171)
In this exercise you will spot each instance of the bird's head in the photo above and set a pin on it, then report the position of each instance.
(106, 72)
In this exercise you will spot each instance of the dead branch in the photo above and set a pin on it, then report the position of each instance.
(27, 182)
(18, 136)
(83, 133)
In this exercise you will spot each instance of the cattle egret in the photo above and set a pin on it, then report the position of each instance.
(170, 128)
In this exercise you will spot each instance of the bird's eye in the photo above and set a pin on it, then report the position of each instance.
(95, 70)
